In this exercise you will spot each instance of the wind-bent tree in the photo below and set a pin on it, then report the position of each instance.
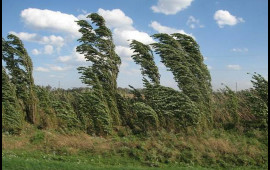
(197, 67)
(20, 68)
(258, 101)
(98, 48)
(180, 53)
(175, 110)
(12, 116)
(144, 57)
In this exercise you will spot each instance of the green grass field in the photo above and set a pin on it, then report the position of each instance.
(49, 150)
(19, 163)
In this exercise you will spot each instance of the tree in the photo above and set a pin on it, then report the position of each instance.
(98, 48)
(175, 109)
(12, 116)
(258, 101)
(144, 57)
(180, 53)
(20, 67)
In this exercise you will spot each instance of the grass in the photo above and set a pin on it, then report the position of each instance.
(14, 162)
(216, 149)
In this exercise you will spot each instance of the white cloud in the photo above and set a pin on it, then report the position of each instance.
(123, 29)
(240, 50)
(84, 17)
(209, 67)
(74, 58)
(52, 76)
(116, 18)
(224, 17)
(51, 67)
(192, 22)
(130, 71)
(124, 65)
(36, 52)
(64, 58)
(55, 76)
(164, 29)
(170, 7)
(234, 67)
(26, 36)
(48, 49)
(124, 52)
(123, 37)
(77, 56)
(55, 21)
(42, 69)
(57, 41)
(59, 68)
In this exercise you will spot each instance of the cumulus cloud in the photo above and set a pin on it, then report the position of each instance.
(55, 21)
(57, 41)
(42, 69)
(116, 18)
(84, 17)
(74, 58)
(170, 7)
(224, 17)
(58, 68)
(124, 65)
(36, 52)
(130, 71)
(123, 29)
(164, 29)
(51, 67)
(123, 37)
(48, 49)
(64, 58)
(240, 50)
(192, 22)
(124, 52)
(234, 67)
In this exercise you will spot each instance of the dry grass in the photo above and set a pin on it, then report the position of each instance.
(80, 141)
(11, 143)
(203, 149)
(220, 145)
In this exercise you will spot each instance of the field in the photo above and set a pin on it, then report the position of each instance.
(44, 149)
(103, 126)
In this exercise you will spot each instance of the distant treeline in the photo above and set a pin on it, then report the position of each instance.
(105, 109)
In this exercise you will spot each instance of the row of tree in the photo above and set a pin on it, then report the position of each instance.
(102, 108)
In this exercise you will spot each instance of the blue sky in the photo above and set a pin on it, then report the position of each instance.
(233, 35)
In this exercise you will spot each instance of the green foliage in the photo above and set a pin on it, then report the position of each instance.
(45, 108)
(231, 105)
(37, 138)
(174, 108)
(20, 67)
(98, 48)
(258, 101)
(181, 55)
(125, 111)
(12, 116)
(145, 118)
(260, 85)
(85, 111)
(174, 58)
(67, 118)
(144, 57)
